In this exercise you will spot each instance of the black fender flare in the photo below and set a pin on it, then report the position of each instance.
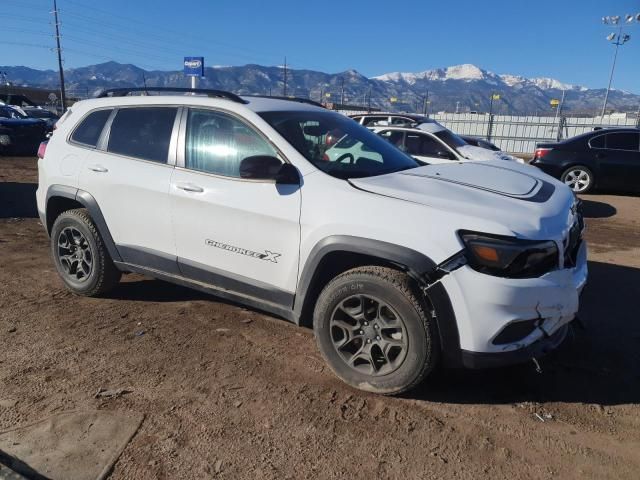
(417, 265)
(89, 202)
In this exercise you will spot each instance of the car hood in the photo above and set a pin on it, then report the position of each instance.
(472, 152)
(509, 198)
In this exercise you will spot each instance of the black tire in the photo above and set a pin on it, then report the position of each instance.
(80, 256)
(365, 289)
(578, 178)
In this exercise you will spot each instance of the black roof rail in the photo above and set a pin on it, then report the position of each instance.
(291, 99)
(123, 92)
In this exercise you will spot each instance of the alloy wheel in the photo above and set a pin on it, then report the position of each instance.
(75, 255)
(369, 335)
(577, 179)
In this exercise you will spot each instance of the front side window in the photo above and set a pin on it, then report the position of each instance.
(89, 130)
(217, 143)
(359, 152)
(450, 138)
(142, 132)
(623, 141)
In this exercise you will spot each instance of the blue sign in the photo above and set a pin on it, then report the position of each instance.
(194, 66)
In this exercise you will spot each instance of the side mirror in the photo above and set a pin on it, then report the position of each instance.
(445, 154)
(266, 167)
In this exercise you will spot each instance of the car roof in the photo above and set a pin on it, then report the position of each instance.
(256, 104)
(601, 131)
(430, 127)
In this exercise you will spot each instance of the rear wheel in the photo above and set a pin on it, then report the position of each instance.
(80, 256)
(578, 178)
(374, 331)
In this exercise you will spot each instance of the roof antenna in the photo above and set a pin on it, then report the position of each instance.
(144, 81)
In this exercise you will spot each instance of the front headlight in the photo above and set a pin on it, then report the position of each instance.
(509, 256)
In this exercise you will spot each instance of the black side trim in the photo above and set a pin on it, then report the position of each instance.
(535, 350)
(417, 265)
(413, 261)
(87, 200)
(273, 308)
(149, 258)
(447, 325)
(235, 283)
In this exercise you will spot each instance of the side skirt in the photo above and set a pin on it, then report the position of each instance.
(280, 310)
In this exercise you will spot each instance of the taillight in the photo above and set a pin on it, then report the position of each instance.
(541, 152)
(42, 149)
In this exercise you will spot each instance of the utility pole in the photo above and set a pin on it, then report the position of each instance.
(63, 96)
(369, 101)
(425, 107)
(341, 91)
(284, 90)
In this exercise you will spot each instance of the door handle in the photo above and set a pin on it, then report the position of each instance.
(189, 187)
(98, 168)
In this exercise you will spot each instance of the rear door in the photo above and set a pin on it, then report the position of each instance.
(620, 160)
(241, 235)
(129, 175)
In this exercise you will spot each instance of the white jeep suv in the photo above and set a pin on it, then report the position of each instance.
(398, 267)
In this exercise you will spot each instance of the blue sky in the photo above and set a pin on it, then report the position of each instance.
(563, 39)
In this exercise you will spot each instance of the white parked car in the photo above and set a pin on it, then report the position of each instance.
(397, 266)
(433, 143)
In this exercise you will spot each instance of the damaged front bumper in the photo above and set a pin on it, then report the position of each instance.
(503, 321)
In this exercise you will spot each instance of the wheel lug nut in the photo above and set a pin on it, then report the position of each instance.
(360, 332)
(375, 325)
(366, 324)
(377, 337)
(368, 340)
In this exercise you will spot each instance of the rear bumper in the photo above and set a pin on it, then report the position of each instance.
(550, 169)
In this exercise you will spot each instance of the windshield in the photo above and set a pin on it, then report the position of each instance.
(450, 138)
(7, 112)
(337, 145)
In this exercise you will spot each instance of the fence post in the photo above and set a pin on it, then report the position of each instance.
(561, 124)
(490, 127)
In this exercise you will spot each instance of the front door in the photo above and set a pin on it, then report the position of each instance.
(240, 235)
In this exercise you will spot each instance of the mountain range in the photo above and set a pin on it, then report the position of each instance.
(461, 87)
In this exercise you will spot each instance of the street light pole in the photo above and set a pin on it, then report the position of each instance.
(613, 67)
(620, 39)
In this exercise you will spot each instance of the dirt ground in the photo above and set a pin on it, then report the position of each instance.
(233, 393)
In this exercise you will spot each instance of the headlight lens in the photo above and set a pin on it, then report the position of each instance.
(508, 256)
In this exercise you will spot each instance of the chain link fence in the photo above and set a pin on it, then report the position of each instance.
(520, 133)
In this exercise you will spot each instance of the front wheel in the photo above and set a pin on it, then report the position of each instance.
(80, 256)
(374, 331)
(578, 178)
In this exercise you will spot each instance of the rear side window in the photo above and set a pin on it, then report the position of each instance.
(597, 142)
(142, 132)
(423, 145)
(371, 121)
(623, 141)
(89, 130)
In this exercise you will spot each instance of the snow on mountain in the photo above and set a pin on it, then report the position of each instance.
(469, 72)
